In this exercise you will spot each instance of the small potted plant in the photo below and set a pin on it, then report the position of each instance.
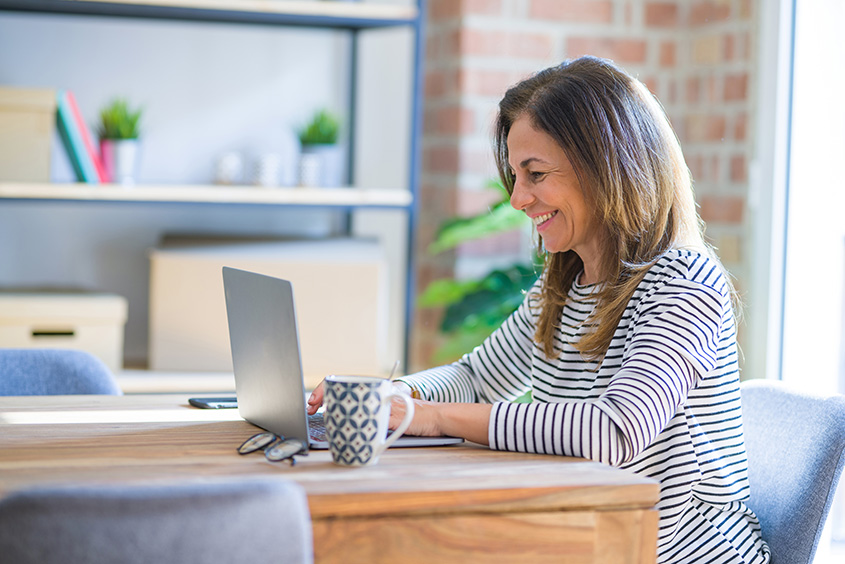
(321, 161)
(119, 130)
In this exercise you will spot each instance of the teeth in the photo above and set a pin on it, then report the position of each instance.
(541, 218)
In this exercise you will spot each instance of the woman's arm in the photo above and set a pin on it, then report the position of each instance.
(497, 370)
(470, 421)
(673, 341)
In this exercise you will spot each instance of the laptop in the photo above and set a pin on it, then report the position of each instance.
(269, 385)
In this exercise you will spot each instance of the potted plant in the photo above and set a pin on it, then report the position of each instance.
(474, 308)
(119, 130)
(321, 161)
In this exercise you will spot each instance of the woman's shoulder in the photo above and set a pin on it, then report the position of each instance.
(690, 266)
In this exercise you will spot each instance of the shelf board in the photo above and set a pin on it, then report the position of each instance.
(344, 15)
(324, 197)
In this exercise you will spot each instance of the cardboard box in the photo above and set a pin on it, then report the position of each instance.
(91, 322)
(27, 118)
(339, 288)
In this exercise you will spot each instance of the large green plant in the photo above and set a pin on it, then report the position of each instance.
(475, 308)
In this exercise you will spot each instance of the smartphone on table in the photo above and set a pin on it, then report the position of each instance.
(227, 402)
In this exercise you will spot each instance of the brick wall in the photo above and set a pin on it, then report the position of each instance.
(713, 117)
(695, 55)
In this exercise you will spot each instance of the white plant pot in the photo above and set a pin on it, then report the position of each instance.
(120, 159)
(321, 165)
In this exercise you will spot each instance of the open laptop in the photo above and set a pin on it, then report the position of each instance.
(267, 364)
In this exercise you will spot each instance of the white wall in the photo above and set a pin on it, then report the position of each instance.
(206, 89)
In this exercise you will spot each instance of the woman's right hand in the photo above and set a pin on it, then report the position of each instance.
(315, 400)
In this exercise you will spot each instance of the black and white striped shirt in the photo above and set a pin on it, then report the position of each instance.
(663, 402)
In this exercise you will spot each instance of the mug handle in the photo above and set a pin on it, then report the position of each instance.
(406, 422)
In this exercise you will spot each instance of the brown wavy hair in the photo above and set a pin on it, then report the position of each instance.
(632, 174)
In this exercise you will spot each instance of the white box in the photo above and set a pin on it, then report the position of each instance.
(91, 322)
(339, 288)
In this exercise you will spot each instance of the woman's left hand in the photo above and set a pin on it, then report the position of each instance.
(433, 419)
(425, 422)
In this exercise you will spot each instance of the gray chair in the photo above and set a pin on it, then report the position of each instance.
(223, 522)
(50, 372)
(796, 452)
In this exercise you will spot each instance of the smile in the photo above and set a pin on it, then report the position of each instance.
(540, 219)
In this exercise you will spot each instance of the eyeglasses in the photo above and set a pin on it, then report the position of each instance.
(276, 447)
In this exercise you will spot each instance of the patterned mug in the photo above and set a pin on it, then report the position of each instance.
(356, 415)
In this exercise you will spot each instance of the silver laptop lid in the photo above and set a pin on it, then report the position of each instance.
(265, 352)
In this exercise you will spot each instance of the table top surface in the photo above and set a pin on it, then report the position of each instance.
(161, 438)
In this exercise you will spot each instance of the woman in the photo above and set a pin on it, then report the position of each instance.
(626, 345)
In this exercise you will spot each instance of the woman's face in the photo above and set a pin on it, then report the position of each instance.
(547, 190)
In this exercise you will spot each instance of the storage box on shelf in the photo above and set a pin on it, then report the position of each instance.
(88, 321)
(26, 132)
(340, 291)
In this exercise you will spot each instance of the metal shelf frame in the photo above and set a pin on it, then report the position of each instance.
(343, 15)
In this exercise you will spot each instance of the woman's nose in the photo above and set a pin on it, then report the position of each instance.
(520, 197)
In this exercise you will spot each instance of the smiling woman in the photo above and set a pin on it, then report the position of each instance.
(612, 135)
(626, 345)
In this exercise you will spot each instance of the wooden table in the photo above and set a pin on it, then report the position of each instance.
(451, 504)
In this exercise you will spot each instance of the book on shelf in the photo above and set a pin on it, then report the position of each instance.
(87, 138)
(73, 132)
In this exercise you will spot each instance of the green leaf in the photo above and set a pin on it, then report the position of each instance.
(500, 219)
(446, 291)
(491, 300)
(476, 308)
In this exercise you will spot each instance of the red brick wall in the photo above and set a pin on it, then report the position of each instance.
(695, 55)
(713, 117)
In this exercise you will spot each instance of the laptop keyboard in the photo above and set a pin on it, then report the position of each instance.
(317, 427)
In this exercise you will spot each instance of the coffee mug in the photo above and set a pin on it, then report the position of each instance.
(356, 415)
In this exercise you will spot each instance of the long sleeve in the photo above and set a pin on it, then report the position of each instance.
(674, 339)
(497, 370)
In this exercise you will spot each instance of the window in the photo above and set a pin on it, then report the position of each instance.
(799, 205)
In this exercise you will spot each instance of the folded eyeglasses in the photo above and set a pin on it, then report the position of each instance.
(276, 447)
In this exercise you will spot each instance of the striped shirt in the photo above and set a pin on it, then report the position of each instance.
(664, 401)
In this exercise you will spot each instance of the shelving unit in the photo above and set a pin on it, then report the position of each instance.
(351, 17)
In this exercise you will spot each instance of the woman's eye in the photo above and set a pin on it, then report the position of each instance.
(536, 176)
